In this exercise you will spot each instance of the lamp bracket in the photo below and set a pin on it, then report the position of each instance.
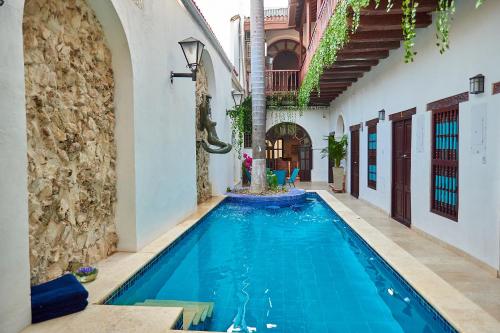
(192, 75)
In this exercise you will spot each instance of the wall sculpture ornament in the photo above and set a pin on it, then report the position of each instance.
(206, 124)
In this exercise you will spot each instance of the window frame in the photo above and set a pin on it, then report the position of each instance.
(445, 166)
(247, 140)
(371, 154)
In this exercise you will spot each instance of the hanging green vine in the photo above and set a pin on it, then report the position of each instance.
(409, 26)
(336, 36)
(241, 123)
(446, 9)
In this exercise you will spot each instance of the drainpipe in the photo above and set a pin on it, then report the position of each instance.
(241, 68)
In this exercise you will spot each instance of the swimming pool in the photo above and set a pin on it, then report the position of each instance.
(282, 269)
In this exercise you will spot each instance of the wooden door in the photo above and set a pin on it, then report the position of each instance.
(355, 163)
(401, 171)
(305, 163)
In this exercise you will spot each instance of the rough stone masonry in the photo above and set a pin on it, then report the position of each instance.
(203, 186)
(71, 147)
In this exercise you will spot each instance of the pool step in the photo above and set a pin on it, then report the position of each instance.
(194, 313)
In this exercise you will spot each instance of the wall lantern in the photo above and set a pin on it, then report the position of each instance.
(381, 115)
(237, 97)
(192, 49)
(477, 84)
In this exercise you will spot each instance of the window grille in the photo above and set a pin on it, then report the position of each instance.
(444, 193)
(372, 156)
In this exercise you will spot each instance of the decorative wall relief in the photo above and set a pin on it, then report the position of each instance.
(70, 132)
(206, 124)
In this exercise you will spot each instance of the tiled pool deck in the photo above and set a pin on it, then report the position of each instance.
(447, 280)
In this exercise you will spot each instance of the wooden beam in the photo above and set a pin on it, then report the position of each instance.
(363, 55)
(328, 93)
(403, 114)
(342, 76)
(352, 69)
(448, 101)
(325, 91)
(378, 36)
(338, 80)
(350, 63)
(390, 21)
(371, 46)
(335, 84)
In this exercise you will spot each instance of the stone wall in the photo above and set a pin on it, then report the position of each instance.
(71, 148)
(204, 188)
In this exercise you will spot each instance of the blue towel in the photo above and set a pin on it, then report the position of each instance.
(56, 312)
(57, 298)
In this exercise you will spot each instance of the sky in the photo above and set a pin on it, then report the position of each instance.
(219, 12)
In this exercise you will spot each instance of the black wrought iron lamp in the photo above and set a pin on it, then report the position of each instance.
(381, 115)
(237, 97)
(477, 84)
(192, 49)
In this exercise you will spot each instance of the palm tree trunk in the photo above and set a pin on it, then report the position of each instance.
(259, 179)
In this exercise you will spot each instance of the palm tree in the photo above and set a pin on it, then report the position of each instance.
(259, 180)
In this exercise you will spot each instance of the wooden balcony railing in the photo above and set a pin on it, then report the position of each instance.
(325, 13)
(280, 81)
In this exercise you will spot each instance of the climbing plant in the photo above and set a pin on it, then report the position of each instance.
(336, 36)
(241, 123)
(446, 8)
(409, 25)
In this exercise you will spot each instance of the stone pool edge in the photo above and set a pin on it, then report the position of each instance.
(116, 270)
(458, 310)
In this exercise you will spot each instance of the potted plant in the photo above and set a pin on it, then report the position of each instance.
(86, 274)
(336, 152)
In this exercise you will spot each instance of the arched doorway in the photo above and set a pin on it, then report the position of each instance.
(337, 134)
(289, 146)
(339, 131)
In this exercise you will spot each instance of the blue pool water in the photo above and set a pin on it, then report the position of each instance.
(291, 269)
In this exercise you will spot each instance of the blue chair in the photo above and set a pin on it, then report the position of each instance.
(293, 176)
(281, 175)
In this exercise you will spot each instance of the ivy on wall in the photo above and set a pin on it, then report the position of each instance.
(336, 36)
(241, 123)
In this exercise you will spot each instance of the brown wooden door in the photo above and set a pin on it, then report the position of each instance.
(355, 163)
(305, 163)
(401, 171)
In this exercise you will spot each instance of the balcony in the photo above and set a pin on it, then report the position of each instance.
(281, 81)
(379, 31)
(324, 14)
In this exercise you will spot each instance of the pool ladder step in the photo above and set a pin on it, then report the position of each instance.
(194, 313)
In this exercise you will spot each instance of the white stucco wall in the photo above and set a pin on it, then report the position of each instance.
(396, 86)
(316, 123)
(155, 132)
(164, 117)
(15, 308)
